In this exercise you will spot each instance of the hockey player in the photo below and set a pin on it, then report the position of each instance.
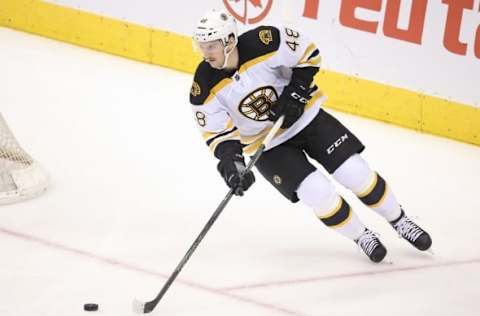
(246, 82)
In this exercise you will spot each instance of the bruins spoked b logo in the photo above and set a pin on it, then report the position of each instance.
(257, 104)
(265, 36)
(195, 89)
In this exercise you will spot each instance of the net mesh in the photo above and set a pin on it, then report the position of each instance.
(12, 156)
(20, 176)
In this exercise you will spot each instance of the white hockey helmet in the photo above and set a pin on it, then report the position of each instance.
(216, 25)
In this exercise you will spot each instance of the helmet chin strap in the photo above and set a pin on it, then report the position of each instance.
(226, 55)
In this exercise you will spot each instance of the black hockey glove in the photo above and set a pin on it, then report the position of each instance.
(232, 169)
(290, 103)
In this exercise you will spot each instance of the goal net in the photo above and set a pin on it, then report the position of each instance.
(21, 177)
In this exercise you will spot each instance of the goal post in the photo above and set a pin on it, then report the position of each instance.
(21, 177)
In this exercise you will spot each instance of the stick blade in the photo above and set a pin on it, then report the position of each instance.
(142, 307)
(138, 306)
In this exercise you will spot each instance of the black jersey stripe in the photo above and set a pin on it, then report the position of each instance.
(211, 140)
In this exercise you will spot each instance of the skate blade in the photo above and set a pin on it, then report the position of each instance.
(387, 260)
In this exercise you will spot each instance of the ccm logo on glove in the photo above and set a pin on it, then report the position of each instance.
(298, 97)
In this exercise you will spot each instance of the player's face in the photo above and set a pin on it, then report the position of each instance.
(212, 52)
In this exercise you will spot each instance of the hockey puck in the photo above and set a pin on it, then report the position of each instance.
(90, 307)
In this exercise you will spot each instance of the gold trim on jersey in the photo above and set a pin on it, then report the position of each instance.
(255, 61)
(307, 53)
(247, 140)
(253, 142)
(256, 141)
(244, 67)
(219, 86)
(234, 135)
(314, 61)
(209, 135)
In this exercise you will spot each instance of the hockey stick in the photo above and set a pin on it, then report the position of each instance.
(143, 308)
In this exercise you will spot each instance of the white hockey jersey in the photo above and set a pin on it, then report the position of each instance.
(235, 105)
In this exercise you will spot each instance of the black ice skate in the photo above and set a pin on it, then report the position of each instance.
(372, 246)
(412, 233)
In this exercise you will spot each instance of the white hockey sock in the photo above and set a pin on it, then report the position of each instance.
(388, 207)
(318, 193)
(370, 187)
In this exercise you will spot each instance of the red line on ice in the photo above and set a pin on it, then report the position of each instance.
(127, 266)
(347, 275)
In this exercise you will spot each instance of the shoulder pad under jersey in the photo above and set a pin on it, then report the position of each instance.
(257, 42)
(204, 80)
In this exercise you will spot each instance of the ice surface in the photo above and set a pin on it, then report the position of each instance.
(133, 185)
